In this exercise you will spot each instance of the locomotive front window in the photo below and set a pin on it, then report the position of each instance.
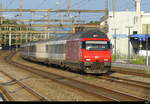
(96, 45)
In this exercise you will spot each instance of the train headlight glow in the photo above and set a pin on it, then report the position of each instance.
(106, 60)
(88, 59)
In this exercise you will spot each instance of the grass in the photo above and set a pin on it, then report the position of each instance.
(138, 60)
(113, 58)
(89, 78)
(117, 57)
(141, 60)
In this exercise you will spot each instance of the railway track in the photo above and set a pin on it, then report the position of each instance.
(99, 92)
(125, 71)
(6, 93)
(23, 86)
(135, 83)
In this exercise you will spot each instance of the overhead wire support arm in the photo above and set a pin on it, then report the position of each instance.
(39, 32)
(46, 25)
(50, 10)
(43, 20)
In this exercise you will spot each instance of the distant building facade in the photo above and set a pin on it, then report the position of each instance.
(122, 21)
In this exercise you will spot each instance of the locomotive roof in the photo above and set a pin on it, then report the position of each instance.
(84, 34)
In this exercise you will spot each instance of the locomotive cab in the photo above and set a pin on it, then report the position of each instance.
(96, 55)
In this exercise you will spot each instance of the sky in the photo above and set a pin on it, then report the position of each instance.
(121, 5)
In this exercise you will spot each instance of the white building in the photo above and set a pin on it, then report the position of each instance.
(138, 21)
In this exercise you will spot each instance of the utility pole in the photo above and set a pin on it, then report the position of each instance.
(1, 15)
(49, 18)
(21, 15)
(114, 7)
(10, 38)
(147, 55)
(115, 41)
(106, 15)
(106, 8)
(106, 4)
(32, 22)
(69, 7)
(129, 29)
(138, 16)
(21, 7)
(1, 22)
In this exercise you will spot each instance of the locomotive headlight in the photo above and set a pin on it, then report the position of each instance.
(88, 59)
(106, 60)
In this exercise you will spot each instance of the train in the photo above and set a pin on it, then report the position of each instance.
(87, 52)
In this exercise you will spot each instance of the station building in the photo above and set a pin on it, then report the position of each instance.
(119, 27)
(121, 24)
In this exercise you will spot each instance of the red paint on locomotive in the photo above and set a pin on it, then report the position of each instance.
(96, 55)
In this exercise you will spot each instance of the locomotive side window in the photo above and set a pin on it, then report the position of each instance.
(110, 45)
(83, 45)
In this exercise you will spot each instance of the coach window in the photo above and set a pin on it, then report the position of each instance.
(46, 48)
(54, 49)
(51, 49)
(60, 48)
(34, 48)
(57, 48)
(64, 47)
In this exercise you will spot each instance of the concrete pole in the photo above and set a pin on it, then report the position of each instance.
(129, 28)
(26, 35)
(115, 41)
(138, 15)
(147, 56)
(10, 37)
(114, 7)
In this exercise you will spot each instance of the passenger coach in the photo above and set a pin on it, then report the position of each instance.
(88, 51)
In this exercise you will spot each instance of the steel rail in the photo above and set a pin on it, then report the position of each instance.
(5, 94)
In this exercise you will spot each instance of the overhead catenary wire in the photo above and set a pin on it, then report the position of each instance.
(81, 2)
(10, 3)
(129, 4)
(39, 5)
